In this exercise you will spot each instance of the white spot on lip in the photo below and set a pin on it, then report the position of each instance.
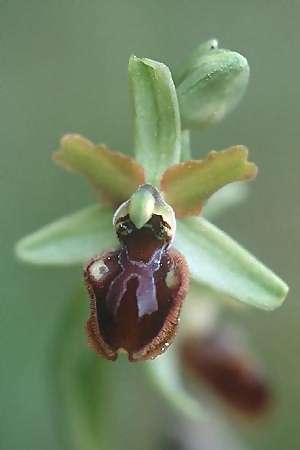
(171, 279)
(98, 269)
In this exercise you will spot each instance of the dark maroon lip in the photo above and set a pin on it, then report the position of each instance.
(141, 286)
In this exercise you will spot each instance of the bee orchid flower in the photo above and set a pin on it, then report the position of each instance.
(147, 236)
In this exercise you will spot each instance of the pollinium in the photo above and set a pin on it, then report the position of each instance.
(136, 291)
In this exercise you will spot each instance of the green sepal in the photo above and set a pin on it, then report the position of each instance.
(156, 117)
(217, 261)
(70, 240)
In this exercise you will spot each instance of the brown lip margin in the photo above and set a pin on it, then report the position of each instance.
(158, 344)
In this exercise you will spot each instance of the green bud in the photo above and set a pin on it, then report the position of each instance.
(210, 83)
(192, 60)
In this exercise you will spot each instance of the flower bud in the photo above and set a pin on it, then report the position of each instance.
(136, 291)
(219, 360)
(210, 84)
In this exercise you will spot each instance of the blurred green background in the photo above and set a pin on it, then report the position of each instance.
(63, 68)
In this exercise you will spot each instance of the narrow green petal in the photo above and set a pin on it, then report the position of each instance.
(114, 175)
(164, 372)
(219, 262)
(70, 240)
(188, 185)
(156, 117)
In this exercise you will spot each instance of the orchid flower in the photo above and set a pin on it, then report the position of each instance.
(147, 230)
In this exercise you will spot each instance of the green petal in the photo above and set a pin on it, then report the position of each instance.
(217, 261)
(156, 117)
(70, 240)
(188, 185)
(114, 175)
(164, 372)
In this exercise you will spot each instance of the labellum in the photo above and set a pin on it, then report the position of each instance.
(224, 365)
(136, 291)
